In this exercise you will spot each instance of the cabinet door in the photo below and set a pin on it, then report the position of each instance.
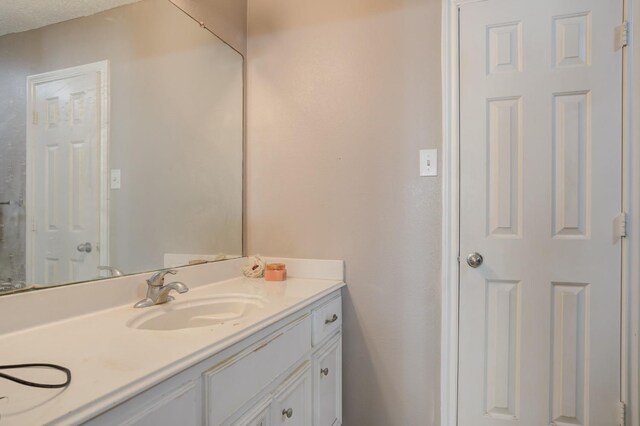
(258, 416)
(161, 406)
(291, 405)
(233, 383)
(327, 384)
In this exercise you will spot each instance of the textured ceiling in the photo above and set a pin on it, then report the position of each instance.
(23, 15)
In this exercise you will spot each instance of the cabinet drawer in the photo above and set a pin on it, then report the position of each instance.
(236, 381)
(291, 405)
(326, 319)
(327, 384)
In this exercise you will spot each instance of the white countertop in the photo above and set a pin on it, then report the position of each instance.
(111, 362)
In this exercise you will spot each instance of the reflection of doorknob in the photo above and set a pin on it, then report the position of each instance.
(86, 247)
(474, 260)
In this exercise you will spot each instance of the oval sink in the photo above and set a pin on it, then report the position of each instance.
(202, 312)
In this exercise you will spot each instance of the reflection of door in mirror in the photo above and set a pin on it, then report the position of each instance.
(175, 130)
(66, 167)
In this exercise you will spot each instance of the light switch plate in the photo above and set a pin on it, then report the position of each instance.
(115, 178)
(428, 162)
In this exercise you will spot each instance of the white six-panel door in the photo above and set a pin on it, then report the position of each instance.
(65, 174)
(540, 189)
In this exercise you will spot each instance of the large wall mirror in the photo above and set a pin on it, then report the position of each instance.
(121, 141)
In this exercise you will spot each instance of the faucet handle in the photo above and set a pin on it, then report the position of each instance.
(157, 279)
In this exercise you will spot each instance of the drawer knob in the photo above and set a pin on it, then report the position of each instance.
(334, 318)
(288, 412)
(324, 371)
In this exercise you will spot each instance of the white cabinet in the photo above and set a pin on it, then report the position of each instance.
(291, 404)
(327, 319)
(327, 384)
(165, 405)
(310, 394)
(179, 407)
(235, 381)
(288, 374)
(258, 416)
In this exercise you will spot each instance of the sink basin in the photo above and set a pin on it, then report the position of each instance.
(201, 312)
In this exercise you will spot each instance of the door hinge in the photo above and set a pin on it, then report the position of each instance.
(620, 225)
(622, 35)
(34, 225)
(35, 118)
(622, 413)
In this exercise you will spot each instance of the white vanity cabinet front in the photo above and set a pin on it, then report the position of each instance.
(327, 320)
(177, 401)
(238, 379)
(288, 374)
(258, 416)
(310, 394)
(291, 404)
(327, 383)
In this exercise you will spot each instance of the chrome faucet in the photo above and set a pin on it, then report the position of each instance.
(158, 292)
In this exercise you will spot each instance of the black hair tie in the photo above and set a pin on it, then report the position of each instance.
(33, 384)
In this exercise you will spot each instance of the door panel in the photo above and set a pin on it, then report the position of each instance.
(540, 155)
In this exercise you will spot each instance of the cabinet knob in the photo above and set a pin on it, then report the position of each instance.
(324, 371)
(334, 318)
(288, 412)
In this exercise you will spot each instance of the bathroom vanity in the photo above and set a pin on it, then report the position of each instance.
(288, 373)
(231, 351)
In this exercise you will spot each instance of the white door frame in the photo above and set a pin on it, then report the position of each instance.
(630, 341)
(102, 69)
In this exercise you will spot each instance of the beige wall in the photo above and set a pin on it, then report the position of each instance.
(341, 96)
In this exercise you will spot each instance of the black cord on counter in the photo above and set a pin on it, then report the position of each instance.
(34, 384)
